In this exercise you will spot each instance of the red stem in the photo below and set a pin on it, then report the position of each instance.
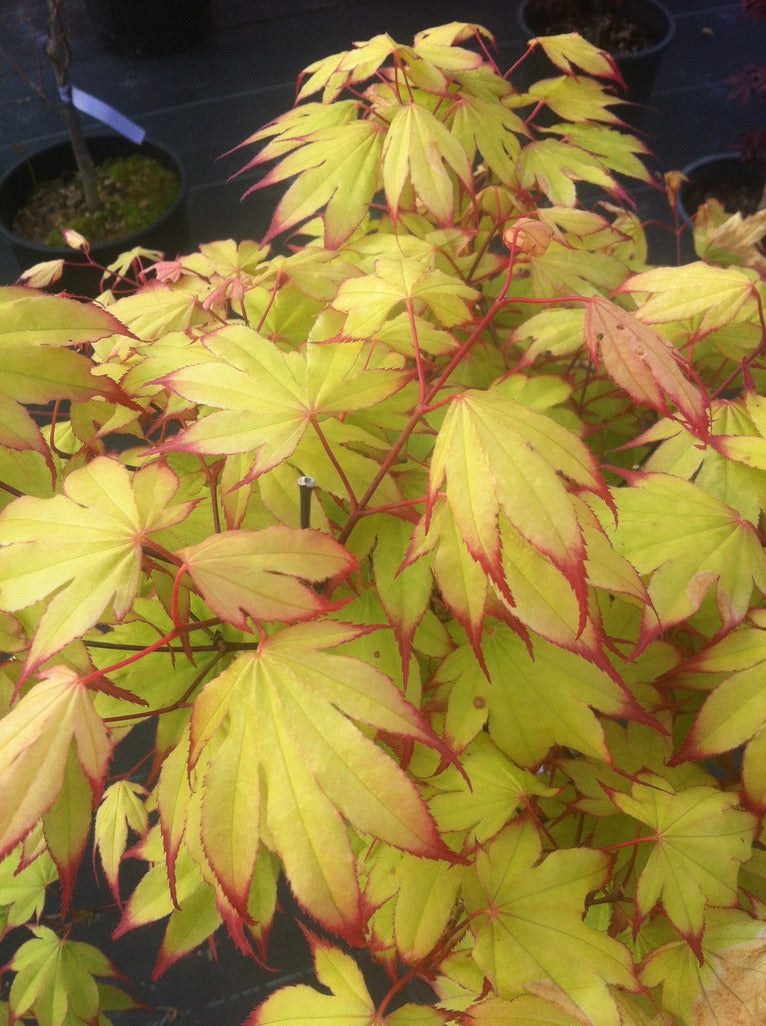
(333, 459)
(654, 838)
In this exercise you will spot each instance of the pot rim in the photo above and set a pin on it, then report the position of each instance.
(713, 158)
(709, 160)
(666, 39)
(122, 242)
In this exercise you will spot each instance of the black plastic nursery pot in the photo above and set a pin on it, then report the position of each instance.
(736, 183)
(638, 69)
(167, 233)
(146, 28)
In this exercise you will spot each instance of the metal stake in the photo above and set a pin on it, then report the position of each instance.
(306, 486)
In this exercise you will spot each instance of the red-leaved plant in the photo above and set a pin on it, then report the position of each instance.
(430, 545)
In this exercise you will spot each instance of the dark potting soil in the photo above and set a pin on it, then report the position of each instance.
(600, 23)
(134, 192)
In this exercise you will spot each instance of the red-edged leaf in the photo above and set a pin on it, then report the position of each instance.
(85, 546)
(261, 574)
(67, 824)
(712, 296)
(530, 920)
(700, 840)
(496, 456)
(689, 543)
(570, 49)
(122, 807)
(318, 768)
(418, 151)
(646, 365)
(35, 740)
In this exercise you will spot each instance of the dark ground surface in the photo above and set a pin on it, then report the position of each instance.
(202, 104)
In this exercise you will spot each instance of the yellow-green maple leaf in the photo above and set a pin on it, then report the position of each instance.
(122, 807)
(482, 799)
(417, 896)
(292, 390)
(713, 296)
(368, 301)
(729, 987)
(483, 124)
(262, 574)
(337, 170)
(67, 822)
(734, 713)
(570, 50)
(616, 150)
(56, 979)
(462, 581)
(530, 920)
(24, 888)
(496, 457)
(530, 701)
(575, 99)
(35, 741)
(85, 546)
(700, 840)
(554, 166)
(348, 1003)
(38, 363)
(527, 1010)
(405, 591)
(191, 907)
(689, 543)
(283, 714)
(418, 151)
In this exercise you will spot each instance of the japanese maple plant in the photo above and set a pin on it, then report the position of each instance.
(424, 538)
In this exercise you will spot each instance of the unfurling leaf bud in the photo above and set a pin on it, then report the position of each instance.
(528, 236)
(42, 274)
(74, 240)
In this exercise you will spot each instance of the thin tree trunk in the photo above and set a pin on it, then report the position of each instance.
(58, 54)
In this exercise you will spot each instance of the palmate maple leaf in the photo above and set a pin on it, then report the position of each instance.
(345, 1001)
(530, 700)
(502, 462)
(700, 840)
(728, 987)
(337, 168)
(417, 151)
(413, 897)
(644, 364)
(368, 301)
(688, 543)
(263, 574)
(284, 764)
(734, 713)
(38, 363)
(529, 918)
(55, 980)
(53, 745)
(712, 296)
(293, 390)
(569, 50)
(85, 546)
